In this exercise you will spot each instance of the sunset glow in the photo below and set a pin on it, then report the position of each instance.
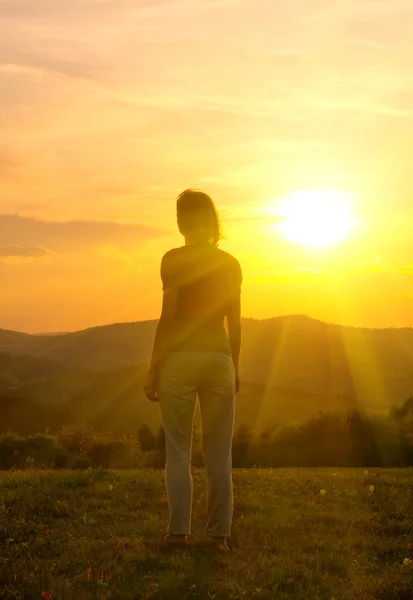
(109, 109)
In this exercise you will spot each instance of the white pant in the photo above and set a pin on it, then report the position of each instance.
(181, 378)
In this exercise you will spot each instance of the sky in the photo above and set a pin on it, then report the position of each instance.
(110, 108)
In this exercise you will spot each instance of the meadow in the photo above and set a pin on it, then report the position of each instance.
(299, 533)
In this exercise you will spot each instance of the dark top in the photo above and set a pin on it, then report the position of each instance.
(207, 281)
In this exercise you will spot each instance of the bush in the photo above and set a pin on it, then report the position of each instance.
(147, 439)
(38, 450)
(79, 462)
(45, 450)
(99, 449)
(11, 451)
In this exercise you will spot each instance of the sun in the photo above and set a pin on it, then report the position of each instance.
(316, 218)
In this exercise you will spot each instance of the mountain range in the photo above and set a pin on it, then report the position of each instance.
(290, 368)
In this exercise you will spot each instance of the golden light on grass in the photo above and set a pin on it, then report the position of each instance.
(316, 218)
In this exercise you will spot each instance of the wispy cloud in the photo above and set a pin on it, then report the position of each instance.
(22, 232)
(24, 251)
(8, 163)
(73, 9)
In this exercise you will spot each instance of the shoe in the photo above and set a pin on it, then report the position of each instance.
(172, 540)
(220, 543)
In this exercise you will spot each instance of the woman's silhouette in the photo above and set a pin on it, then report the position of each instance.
(194, 355)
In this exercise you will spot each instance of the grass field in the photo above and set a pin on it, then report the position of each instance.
(313, 534)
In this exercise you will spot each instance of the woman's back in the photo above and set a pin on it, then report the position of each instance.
(206, 279)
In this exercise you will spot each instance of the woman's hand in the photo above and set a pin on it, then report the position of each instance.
(236, 383)
(149, 387)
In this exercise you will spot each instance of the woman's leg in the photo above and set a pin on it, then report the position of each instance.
(217, 404)
(177, 396)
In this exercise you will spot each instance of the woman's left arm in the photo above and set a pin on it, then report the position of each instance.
(161, 343)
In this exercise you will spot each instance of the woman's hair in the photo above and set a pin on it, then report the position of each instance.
(196, 211)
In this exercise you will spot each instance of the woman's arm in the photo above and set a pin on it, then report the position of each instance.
(164, 328)
(161, 343)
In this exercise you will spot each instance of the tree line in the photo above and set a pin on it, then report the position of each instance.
(351, 439)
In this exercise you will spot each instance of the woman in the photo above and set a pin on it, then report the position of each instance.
(193, 355)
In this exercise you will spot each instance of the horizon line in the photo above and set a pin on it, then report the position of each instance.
(285, 316)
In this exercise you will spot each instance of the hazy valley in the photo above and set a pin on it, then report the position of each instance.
(291, 368)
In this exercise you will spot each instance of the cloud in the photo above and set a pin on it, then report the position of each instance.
(24, 251)
(8, 164)
(71, 8)
(26, 232)
(35, 63)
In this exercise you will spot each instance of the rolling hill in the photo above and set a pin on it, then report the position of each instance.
(291, 367)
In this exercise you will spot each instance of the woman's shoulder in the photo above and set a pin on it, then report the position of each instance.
(227, 258)
(226, 254)
(184, 254)
(172, 254)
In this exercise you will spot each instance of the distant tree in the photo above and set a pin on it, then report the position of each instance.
(160, 439)
(241, 446)
(147, 439)
(363, 442)
(404, 412)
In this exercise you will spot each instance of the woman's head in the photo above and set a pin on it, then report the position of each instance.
(197, 217)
